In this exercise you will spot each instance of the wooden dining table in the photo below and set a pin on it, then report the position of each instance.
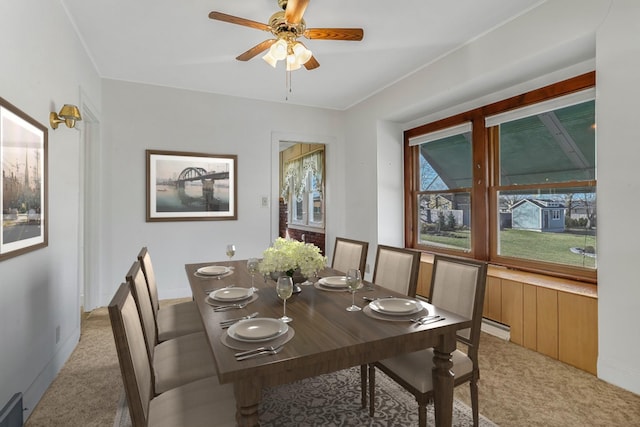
(327, 337)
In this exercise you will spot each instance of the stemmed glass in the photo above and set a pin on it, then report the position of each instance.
(252, 266)
(231, 251)
(284, 289)
(353, 281)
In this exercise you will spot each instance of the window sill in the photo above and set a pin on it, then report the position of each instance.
(306, 228)
(556, 283)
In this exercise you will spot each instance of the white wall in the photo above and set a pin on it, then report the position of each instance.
(138, 117)
(618, 68)
(43, 66)
(553, 42)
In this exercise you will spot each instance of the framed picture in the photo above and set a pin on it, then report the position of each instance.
(23, 193)
(191, 186)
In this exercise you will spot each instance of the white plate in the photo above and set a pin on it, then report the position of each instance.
(256, 330)
(395, 306)
(213, 270)
(231, 294)
(334, 282)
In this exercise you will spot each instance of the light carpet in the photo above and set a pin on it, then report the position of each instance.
(334, 400)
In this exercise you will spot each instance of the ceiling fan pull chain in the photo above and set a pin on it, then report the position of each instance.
(288, 84)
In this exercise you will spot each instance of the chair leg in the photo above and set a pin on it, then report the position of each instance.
(372, 389)
(363, 385)
(474, 401)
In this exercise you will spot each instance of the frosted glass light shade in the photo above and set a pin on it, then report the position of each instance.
(269, 59)
(279, 50)
(302, 53)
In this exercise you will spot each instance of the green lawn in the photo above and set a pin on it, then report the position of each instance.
(548, 247)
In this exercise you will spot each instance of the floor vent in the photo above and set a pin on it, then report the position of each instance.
(11, 414)
(496, 329)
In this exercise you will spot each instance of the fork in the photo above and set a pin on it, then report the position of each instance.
(256, 350)
(208, 291)
(269, 351)
(228, 307)
(229, 322)
(423, 319)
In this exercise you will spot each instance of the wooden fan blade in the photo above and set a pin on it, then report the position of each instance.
(259, 48)
(294, 11)
(348, 34)
(312, 63)
(219, 16)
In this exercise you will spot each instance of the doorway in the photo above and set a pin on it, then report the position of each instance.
(279, 143)
(302, 192)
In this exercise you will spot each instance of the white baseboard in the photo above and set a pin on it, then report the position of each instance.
(496, 329)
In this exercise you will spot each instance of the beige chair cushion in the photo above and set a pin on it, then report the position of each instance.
(173, 320)
(181, 360)
(415, 368)
(393, 270)
(131, 332)
(200, 403)
(178, 319)
(347, 255)
(454, 288)
(143, 301)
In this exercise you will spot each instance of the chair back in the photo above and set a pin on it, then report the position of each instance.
(458, 285)
(397, 269)
(132, 354)
(348, 254)
(140, 292)
(147, 269)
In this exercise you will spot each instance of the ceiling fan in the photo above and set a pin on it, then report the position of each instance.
(287, 26)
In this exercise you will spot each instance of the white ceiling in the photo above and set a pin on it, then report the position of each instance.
(175, 44)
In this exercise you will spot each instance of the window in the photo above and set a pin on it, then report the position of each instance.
(445, 180)
(513, 183)
(303, 190)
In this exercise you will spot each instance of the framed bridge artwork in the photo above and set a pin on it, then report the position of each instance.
(185, 186)
(23, 190)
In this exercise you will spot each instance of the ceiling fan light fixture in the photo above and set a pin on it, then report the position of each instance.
(287, 25)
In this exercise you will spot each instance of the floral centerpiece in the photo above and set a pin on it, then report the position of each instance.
(287, 256)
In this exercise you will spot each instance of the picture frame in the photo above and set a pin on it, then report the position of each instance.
(184, 186)
(23, 182)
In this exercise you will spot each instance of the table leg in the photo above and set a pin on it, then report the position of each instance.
(443, 382)
(248, 394)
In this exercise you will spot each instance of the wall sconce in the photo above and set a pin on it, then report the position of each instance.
(69, 115)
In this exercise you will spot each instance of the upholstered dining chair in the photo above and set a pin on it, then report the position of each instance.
(397, 269)
(176, 361)
(197, 403)
(457, 285)
(172, 320)
(348, 253)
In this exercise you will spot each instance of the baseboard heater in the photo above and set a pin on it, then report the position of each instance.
(496, 329)
(11, 414)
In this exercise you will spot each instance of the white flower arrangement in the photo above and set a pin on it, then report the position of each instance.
(288, 255)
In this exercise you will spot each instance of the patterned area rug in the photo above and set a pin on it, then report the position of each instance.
(334, 400)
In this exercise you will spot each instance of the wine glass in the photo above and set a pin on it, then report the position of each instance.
(353, 281)
(231, 251)
(252, 266)
(284, 288)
